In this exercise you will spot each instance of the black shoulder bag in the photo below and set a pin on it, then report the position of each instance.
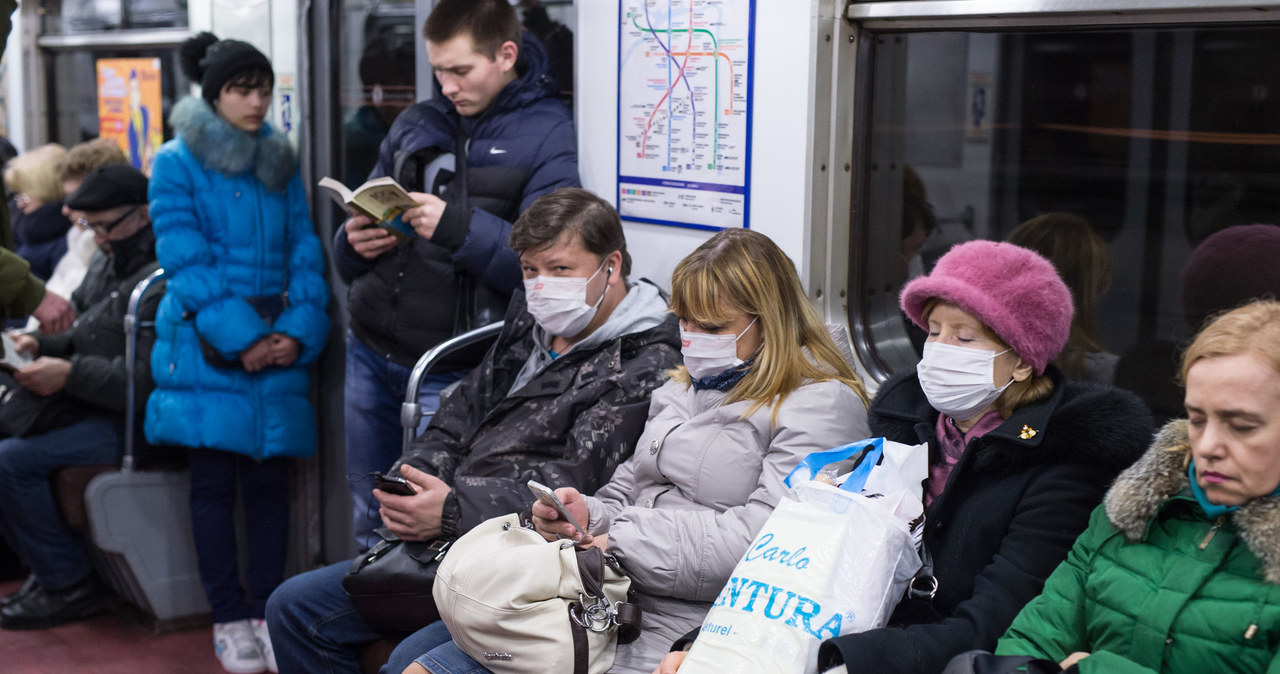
(390, 585)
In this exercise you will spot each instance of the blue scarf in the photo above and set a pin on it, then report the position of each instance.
(1213, 510)
(725, 379)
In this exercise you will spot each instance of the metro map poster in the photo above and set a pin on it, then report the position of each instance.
(684, 111)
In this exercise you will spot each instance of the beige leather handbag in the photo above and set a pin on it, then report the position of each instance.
(519, 604)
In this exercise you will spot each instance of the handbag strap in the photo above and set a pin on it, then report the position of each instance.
(581, 654)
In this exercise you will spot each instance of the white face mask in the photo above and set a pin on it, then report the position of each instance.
(958, 380)
(705, 355)
(559, 305)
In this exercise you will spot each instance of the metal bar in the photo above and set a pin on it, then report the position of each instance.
(410, 410)
(131, 327)
(116, 38)
(989, 14)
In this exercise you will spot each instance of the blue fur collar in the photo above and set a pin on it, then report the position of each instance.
(226, 149)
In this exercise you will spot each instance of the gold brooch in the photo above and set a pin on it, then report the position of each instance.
(1027, 432)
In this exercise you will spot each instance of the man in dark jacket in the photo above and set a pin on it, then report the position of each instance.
(491, 141)
(85, 364)
(561, 399)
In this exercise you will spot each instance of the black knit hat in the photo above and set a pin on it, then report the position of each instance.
(213, 62)
(110, 186)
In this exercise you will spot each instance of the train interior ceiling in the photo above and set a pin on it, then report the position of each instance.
(1154, 128)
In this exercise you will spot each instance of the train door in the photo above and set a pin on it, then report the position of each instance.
(368, 62)
(1152, 123)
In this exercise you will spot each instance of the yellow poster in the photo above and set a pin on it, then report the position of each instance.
(129, 107)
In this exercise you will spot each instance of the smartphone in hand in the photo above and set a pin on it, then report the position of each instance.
(393, 484)
(547, 496)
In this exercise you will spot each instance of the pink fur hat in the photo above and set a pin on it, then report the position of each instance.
(1014, 291)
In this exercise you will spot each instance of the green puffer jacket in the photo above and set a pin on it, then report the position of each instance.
(1154, 586)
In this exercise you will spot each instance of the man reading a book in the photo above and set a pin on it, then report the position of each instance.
(491, 141)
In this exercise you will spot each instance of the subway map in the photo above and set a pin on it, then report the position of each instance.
(684, 111)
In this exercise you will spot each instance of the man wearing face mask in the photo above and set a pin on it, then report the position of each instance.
(85, 363)
(560, 398)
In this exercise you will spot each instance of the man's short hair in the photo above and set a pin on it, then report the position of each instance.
(83, 159)
(490, 23)
(571, 211)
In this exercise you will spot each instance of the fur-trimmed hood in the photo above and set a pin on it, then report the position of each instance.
(224, 148)
(1144, 488)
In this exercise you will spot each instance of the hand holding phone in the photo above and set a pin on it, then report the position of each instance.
(393, 484)
(548, 497)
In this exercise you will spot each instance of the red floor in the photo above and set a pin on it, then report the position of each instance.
(113, 643)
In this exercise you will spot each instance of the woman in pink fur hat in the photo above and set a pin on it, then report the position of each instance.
(1018, 456)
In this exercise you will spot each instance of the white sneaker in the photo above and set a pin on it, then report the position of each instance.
(237, 649)
(264, 644)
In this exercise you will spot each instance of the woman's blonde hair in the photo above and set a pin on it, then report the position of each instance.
(1020, 393)
(35, 173)
(1252, 328)
(745, 271)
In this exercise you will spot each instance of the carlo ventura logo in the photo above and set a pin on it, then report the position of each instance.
(777, 603)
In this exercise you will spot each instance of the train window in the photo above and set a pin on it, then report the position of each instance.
(377, 86)
(1131, 146)
(72, 77)
(91, 16)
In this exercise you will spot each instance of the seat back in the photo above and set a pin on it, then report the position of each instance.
(139, 521)
(69, 483)
(411, 413)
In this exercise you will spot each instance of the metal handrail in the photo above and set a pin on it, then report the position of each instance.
(131, 327)
(411, 410)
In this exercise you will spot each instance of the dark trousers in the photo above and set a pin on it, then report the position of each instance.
(264, 487)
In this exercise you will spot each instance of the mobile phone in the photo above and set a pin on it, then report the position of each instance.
(393, 484)
(547, 496)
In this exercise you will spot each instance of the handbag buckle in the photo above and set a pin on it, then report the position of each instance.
(598, 617)
(923, 594)
(439, 547)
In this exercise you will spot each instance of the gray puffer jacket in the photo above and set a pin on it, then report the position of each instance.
(703, 480)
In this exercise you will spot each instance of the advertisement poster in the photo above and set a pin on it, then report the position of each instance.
(684, 111)
(129, 107)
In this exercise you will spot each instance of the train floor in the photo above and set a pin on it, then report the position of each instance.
(116, 642)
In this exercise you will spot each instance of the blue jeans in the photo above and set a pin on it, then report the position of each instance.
(56, 556)
(374, 390)
(264, 491)
(447, 658)
(316, 630)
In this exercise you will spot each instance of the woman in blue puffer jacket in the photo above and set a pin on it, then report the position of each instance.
(242, 317)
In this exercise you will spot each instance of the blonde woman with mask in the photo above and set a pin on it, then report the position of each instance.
(762, 386)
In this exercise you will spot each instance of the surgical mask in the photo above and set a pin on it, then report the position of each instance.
(705, 355)
(957, 380)
(559, 305)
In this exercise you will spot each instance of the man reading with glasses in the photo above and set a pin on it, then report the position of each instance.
(85, 367)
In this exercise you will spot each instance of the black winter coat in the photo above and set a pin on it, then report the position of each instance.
(41, 237)
(1012, 508)
(95, 344)
(570, 426)
(520, 148)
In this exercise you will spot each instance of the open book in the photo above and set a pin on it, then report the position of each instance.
(383, 200)
(12, 358)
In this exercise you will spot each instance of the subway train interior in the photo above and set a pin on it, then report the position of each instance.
(865, 138)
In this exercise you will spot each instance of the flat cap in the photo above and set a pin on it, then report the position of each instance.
(110, 186)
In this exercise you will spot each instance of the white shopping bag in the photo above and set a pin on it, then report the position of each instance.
(829, 561)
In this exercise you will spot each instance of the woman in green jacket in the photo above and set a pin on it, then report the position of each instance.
(1179, 568)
